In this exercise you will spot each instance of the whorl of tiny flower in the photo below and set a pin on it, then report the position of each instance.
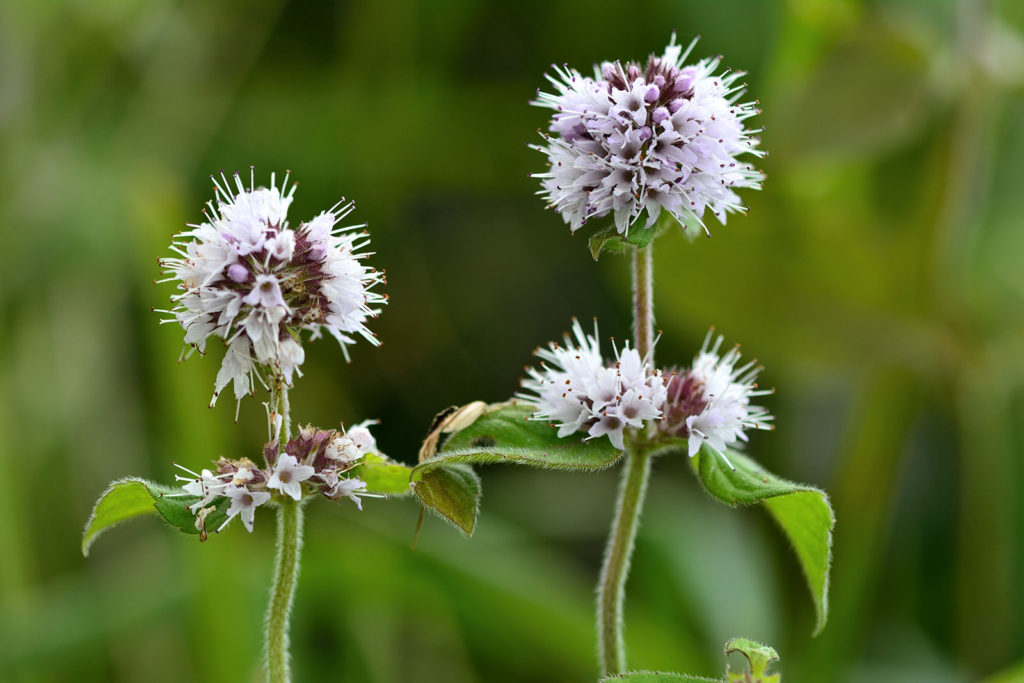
(660, 136)
(576, 390)
(308, 464)
(247, 277)
(709, 402)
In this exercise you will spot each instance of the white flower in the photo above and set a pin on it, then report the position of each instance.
(353, 489)
(288, 476)
(351, 446)
(247, 277)
(635, 138)
(709, 403)
(244, 503)
(361, 436)
(206, 485)
(579, 392)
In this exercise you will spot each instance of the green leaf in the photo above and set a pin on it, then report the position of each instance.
(609, 239)
(803, 512)
(657, 677)
(482, 434)
(383, 475)
(131, 497)
(759, 657)
(453, 492)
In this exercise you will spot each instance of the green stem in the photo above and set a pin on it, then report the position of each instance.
(643, 302)
(611, 589)
(286, 574)
(286, 570)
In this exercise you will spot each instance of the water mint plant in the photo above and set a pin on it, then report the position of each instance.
(635, 150)
(246, 277)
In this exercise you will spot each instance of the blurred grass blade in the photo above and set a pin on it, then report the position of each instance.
(803, 512)
(132, 497)
(501, 432)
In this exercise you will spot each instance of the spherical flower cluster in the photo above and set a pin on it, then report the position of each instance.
(247, 277)
(709, 402)
(316, 461)
(660, 136)
(580, 392)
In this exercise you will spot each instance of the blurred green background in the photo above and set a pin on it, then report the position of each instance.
(878, 277)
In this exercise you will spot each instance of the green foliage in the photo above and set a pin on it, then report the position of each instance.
(132, 497)
(758, 657)
(610, 240)
(383, 475)
(655, 677)
(453, 492)
(502, 432)
(803, 512)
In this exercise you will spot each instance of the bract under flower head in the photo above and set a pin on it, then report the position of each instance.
(709, 402)
(578, 391)
(247, 277)
(655, 137)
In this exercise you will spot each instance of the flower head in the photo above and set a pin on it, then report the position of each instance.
(578, 391)
(709, 402)
(647, 137)
(307, 464)
(249, 278)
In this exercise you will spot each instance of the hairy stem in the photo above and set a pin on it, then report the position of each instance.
(289, 551)
(611, 587)
(286, 574)
(643, 302)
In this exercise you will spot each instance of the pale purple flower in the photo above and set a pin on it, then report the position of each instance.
(353, 488)
(576, 390)
(636, 139)
(249, 278)
(353, 444)
(205, 485)
(243, 504)
(288, 476)
(709, 402)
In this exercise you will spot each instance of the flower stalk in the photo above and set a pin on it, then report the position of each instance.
(619, 552)
(289, 551)
(286, 574)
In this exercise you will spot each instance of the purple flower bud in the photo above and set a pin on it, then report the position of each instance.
(238, 273)
(653, 93)
(645, 134)
(675, 105)
(660, 114)
(659, 81)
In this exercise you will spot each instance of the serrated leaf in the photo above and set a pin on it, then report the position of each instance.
(501, 432)
(658, 677)
(803, 512)
(383, 475)
(759, 657)
(132, 497)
